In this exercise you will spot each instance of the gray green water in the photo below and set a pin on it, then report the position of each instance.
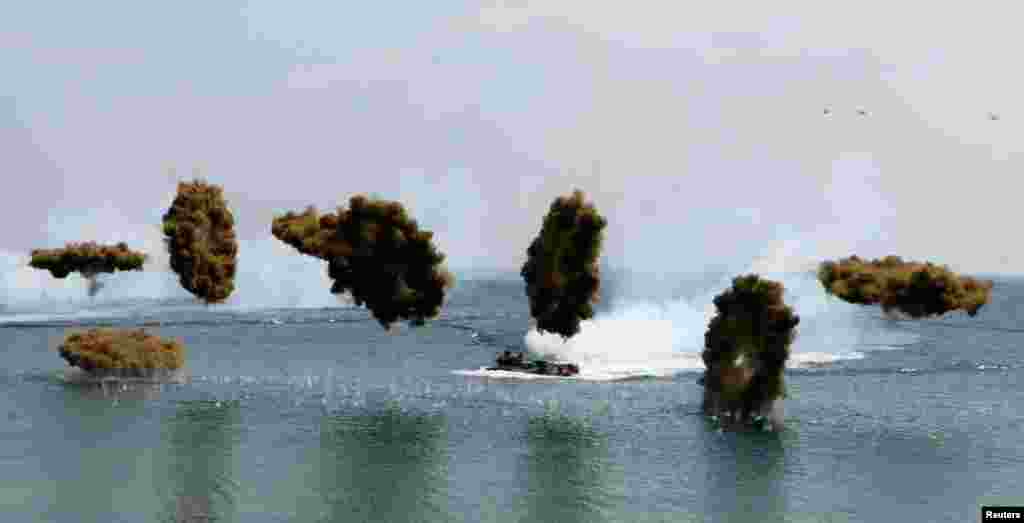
(319, 415)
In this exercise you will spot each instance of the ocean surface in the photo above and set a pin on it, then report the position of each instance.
(318, 414)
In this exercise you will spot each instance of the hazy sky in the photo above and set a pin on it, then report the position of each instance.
(699, 131)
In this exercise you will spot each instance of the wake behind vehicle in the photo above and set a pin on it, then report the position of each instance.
(518, 363)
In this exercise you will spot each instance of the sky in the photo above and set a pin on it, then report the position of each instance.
(699, 131)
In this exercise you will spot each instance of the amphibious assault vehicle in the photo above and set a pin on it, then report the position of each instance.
(518, 363)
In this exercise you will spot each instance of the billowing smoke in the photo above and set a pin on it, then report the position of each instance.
(133, 352)
(747, 344)
(375, 252)
(88, 259)
(561, 270)
(201, 241)
(912, 288)
(270, 279)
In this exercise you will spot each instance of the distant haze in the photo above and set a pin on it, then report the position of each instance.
(699, 130)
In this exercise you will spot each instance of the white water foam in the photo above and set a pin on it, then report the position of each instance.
(645, 339)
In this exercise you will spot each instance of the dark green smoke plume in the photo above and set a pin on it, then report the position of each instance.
(561, 270)
(375, 252)
(87, 259)
(132, 350)
(913, 288)
(747, 344)
(200, 236)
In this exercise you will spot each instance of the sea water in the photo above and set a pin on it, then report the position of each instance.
(312, 412)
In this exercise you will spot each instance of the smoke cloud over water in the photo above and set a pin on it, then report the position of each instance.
(644, 332)
(665, 336)
(268, 277)
(707, 138)
(637, 338)
(270, 274)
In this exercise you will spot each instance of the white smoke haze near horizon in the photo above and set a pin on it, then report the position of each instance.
(268, 277)
(661, 339)
(270, 274)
